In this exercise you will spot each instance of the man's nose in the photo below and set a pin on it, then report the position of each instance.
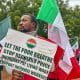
(20, 24)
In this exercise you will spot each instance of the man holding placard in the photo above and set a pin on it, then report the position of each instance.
(28, 26)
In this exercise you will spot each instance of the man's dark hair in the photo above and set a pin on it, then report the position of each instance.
(33, 19)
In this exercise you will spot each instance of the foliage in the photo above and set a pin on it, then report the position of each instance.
(16, 8)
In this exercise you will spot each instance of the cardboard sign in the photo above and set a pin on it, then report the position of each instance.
(28, 54)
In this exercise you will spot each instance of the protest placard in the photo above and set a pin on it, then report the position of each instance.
(28, 54)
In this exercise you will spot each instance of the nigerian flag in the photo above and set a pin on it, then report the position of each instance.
(49, 12)
(4, 25)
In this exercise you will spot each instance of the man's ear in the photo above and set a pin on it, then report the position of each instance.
(34, 25)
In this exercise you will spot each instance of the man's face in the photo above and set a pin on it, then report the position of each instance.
(26, 25)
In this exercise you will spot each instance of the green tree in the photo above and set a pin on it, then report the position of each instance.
(16, 8)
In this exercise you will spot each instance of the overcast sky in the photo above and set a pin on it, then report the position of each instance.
(74, 2)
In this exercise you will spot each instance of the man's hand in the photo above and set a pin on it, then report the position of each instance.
(17, 75)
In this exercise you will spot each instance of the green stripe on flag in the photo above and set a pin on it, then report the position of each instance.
(73, 41)
(48, 11)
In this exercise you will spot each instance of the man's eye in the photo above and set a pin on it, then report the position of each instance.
(24, 20)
